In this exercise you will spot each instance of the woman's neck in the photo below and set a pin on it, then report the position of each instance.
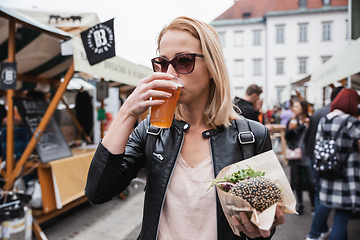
(195, 117)
(301, 117)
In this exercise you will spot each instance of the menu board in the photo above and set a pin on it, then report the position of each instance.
(52, 144)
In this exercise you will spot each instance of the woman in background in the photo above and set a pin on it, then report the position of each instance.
(300, 175)
(343, 195)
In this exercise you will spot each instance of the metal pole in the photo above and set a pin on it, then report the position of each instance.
(349, 35)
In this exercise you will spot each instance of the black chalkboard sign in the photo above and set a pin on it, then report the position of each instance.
(52, 144)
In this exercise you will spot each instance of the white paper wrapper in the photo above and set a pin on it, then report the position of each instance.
(266, 162)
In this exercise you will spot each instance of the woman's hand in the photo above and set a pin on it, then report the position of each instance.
(139, 101)
(251, 230)
(257, 105)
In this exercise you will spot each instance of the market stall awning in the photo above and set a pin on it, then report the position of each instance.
(38, 54)
(115, 68)
(71, 22)
(38, 51)
(338, 67)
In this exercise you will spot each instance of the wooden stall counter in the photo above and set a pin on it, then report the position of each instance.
(278, 131)
(63, 181)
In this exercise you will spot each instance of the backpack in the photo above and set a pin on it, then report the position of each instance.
(328, 164)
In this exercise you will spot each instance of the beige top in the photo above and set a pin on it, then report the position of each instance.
(189, 210)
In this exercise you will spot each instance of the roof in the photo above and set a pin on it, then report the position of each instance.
(38, 53)
(245, 9)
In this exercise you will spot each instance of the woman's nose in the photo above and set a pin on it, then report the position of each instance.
(171, 70)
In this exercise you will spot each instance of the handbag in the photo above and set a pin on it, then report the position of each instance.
(296, 154)
(328, 163)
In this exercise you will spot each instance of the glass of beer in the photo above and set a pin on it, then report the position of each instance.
(293, 123)
(162, 116)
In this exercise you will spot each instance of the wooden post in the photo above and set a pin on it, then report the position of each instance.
(10, 104)
(40, 129)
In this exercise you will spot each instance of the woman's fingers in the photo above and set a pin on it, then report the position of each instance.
(246, 226)
(253, 231)
(279, 217)
(148, 93)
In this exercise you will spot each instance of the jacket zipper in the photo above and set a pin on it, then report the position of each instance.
(162, 204)
(159, 156)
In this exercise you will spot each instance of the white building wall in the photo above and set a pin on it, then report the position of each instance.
(247, 52)
(290, 51)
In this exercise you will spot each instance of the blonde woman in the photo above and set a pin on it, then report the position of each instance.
(201, 141)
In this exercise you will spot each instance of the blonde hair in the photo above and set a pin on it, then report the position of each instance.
(219, 110)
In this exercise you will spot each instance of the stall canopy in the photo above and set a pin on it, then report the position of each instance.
(115, 69)
(71, 22)
(339, 67)
(38, 54)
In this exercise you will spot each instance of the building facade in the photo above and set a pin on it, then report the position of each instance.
(274, 43)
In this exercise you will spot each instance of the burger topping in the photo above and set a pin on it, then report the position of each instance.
(259, 192)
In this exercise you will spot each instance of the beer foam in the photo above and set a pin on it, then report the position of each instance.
(178, 81)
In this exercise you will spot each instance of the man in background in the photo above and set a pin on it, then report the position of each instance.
(249, 106)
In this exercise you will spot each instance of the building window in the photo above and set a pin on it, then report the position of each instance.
(303, 32)
(222, 38)
(326, 2)
(246, 15)
(239, 67)
(302, 64)
(326, 31)
(239, 38)
(279, 66)
(280, 34)
(257, 67)
(257, 37)
(325, 58)
(279, 90)
(302, 3)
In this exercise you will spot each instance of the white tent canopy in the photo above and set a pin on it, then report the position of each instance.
(115, 68)
(345, 64)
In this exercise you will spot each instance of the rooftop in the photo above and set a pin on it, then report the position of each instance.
(247, 9)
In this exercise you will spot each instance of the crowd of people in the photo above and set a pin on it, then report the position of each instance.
(303, 130)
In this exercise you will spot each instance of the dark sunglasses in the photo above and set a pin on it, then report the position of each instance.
(183, 63)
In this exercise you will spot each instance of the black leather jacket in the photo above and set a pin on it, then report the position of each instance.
(110, 174)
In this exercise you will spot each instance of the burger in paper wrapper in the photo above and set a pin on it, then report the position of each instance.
(256, 185)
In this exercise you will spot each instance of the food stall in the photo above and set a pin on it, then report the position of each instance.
(35, 47)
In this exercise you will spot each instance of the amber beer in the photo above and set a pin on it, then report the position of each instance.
(162, 116)
(293, 123)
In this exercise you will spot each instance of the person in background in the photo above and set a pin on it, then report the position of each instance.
(84, 111)
(300, 172)
(275, 117)
(184, 154)
(286, 114)
(309, 146)
(250, 104)
(343, 195)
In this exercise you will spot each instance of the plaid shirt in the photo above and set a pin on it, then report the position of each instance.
(342, 193)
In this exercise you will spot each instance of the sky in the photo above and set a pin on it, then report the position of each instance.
(137, 22)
